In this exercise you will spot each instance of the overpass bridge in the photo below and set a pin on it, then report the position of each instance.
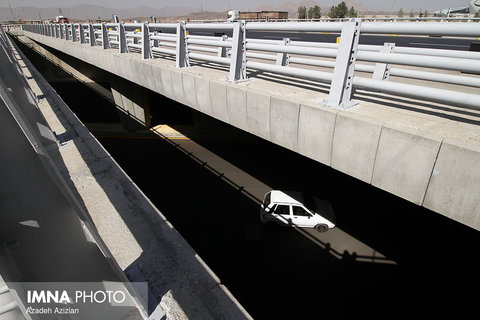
(405, 120)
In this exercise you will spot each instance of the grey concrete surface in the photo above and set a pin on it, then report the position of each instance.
(138, 236)
(237, 106)
(355, 135)
(404, 161)
(452, 182)
(355, 142)
(315, 132)
(258, 114)
(54, 239)
(133, 102)
(284, 122)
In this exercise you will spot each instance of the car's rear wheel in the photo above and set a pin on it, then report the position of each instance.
(321, 227)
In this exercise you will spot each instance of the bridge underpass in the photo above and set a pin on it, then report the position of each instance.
(263, 265)
(380, 129)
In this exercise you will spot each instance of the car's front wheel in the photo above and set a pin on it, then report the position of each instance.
(321, 227)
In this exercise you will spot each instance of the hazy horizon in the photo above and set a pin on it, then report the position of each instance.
(220, 5)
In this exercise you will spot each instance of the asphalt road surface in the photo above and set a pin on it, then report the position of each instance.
(385, 256)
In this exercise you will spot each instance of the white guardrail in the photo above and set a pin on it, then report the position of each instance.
(331, 63)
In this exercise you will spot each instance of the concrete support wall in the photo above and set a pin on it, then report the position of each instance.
(133, 103)
(419, 163)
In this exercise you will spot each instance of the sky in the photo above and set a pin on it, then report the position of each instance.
(220, 5)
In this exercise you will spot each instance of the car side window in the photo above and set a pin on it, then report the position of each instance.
(299, 211)
(282, 210)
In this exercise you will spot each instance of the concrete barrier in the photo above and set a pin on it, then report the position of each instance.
(454, 187)
(355, 143)
(404, 161)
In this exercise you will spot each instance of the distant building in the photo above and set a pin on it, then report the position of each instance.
(30, 21)
(256, 15)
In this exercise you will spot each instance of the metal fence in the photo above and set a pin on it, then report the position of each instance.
(343, 66)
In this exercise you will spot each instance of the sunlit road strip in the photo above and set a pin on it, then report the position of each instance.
(338, 243)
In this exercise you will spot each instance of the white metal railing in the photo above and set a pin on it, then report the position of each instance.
(342, 65)
(369, 19)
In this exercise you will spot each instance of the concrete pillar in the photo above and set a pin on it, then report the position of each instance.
(133, 104)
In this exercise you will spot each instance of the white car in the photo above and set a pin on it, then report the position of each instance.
(291, 209)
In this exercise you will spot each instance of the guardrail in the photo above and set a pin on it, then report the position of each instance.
(369, 19)
(301, 59)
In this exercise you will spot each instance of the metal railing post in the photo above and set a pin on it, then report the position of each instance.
(67, 32)
(62, 36)
(91, 34)
(341, 86)
(74, 33)
(222, 51)
(122, 39)
(155, 42)
(135, 39)
(238, 62)
(181, 60)
(146, 46)
(105, 42)
(381, 71)
(81, 33)
(283, 58)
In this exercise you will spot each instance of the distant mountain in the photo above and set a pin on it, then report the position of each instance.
(85, 12)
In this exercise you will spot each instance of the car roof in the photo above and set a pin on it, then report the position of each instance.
(290, 197)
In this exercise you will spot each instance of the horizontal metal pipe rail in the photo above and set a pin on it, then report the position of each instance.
(240, 53)
(463, 65)
(456, 98)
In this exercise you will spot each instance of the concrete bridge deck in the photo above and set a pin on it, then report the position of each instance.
(424, 152)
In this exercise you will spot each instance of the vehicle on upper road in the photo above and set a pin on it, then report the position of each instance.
(293, 209)
(61, 19)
